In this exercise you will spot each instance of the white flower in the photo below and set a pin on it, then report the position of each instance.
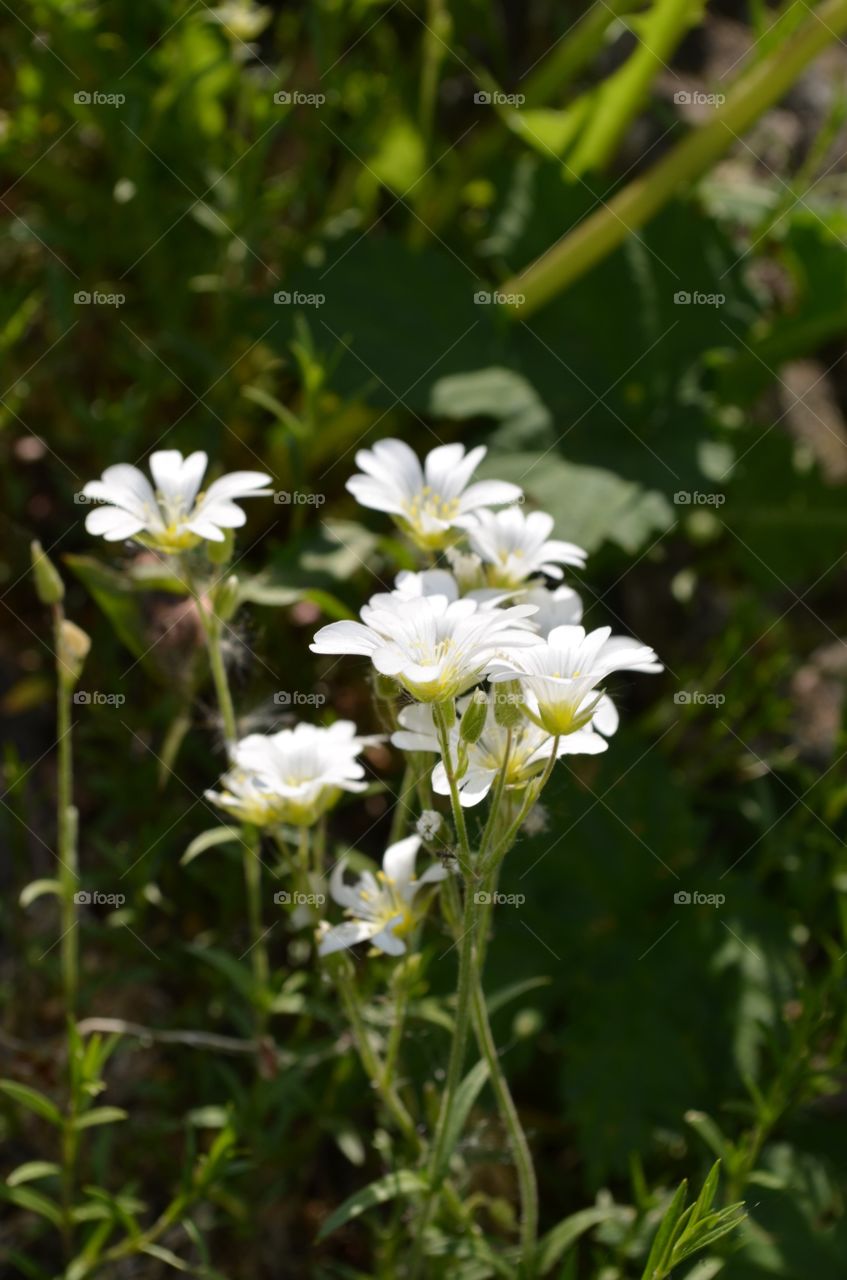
(241, 19)
(293, 776)
(530, 749)
(435, 647)
(515, 545)
(428, 502)
(176, 516)
(381, 907)
(562, 674)
(558, 608)
(435, 582)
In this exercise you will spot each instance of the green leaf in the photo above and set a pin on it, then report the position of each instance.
(496, 393)
(466, 1096)
(708, 1130)
(208, 840)
(166, 1256)
(663, 1241)
(32, 1171)
(37, 888)
(559, 1239)
(33, 1100)
(403, 1183)
(34, 1201)
(100, 1115)
(516, 989)
(704, 1201)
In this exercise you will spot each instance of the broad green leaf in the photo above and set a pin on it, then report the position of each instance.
(32, 1171)
(208, 840)
(403, 1183)
(559, 1239)
(496, 393)
(32, 1100)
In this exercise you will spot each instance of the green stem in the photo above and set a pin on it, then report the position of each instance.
(569, 55)
(252, 862)
(600, 233)
(527, 1185)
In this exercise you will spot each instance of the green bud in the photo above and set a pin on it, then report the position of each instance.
(48, 584)
(447, 711)
(508, 704)
(386, 689)
(473, 717)
(221, 552)
(74, 645)
(226, 597)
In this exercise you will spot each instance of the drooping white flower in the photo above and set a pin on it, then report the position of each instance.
(381, 907)
(436, 648)
(176, 515)
(292, 776)
(562, 674)
(515, 545)
(525, 756)
(561, 607)
(427, 502)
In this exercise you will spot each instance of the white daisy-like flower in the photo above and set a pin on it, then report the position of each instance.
(175, 516)
(562, 674)
(515, 545)
(292, 776)
(436, 648)
(381, 907)
(435, 582)
(561, 607)
(428, 502)
(530, 749)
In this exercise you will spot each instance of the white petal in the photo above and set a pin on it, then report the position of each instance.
(113, 524)
(342, 936)
(399, 862)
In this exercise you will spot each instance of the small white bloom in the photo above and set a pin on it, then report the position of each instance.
(241, 19)
(176, 516)
(514, 545)
(561, 607)
(530, 749)
(435, 582)
(293, 776)
(436, 648)
(536, 821)
(381, 907)
(427, 502)
(429, 824)
(562, 674)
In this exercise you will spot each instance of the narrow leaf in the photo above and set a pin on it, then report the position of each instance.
(403, 1183)
(207, 840)
(37, 888)
(33, 1100)
(100, 1115)
(31, 1171)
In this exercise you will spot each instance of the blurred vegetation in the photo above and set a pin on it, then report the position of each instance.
(645, 1038)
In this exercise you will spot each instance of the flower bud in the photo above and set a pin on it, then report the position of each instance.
(386, 688)
(48, 584)
(508, 703)
(73, 648)
(226, 597)
(447, 711)
(473, 717)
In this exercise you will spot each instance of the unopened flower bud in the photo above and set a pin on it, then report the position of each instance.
(74, 645)
(508, 701)
(48, 584)
(226, 597)
(447, 711)
(474, 717)
(221, 552)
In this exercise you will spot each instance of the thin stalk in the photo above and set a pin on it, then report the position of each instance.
(252, 863)
(600, 233)
(527, 1185)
